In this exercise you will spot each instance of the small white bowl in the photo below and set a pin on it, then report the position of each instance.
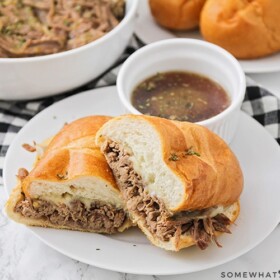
(193, 56)
(36, 77)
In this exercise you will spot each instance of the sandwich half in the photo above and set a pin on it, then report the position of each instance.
(181, 183)
(71, 186)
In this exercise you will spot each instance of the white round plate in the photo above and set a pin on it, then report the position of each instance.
(130, 251)
(148, 32)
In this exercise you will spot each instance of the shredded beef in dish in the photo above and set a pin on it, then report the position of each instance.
(158, 220)
(40, 27)
(99, 217)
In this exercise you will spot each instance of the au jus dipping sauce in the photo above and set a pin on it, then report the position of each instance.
(181, 96)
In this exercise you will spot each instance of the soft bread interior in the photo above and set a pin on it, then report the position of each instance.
(86, 189)
(147, 158)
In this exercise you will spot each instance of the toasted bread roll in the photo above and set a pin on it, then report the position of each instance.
(71, 185)
(181, 182)
(247, 29)
(177, 14)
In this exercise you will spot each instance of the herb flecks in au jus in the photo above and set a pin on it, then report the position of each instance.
(182, 96)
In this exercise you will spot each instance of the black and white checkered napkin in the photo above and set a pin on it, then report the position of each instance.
(258, 103)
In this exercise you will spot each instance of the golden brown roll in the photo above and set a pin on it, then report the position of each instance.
(247, 29)
(181, 183)
(71, 186)
(177, 14)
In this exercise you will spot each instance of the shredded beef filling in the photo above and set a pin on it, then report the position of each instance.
(40, 27)
(157, 219)
(101, 218)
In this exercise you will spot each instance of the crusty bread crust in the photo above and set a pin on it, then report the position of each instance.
(212, 178)
(247, 29)
(72, 153)
(177, 14)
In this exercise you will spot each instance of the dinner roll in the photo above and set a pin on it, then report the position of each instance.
(177, 14)
(246, 28)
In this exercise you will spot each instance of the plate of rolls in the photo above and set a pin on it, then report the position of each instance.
(247, 29)
(141, 194)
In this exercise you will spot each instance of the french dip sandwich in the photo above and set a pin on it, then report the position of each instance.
(71, 186)
(181, 183)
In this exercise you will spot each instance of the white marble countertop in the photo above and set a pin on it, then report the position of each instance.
(24, 257)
